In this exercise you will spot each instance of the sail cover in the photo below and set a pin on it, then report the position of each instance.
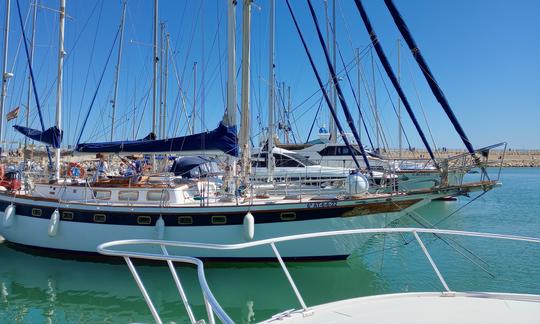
(223, 138)
(51, 136)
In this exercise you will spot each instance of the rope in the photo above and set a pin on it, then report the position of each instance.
(33, 83)
(341, 97)
(355, 97)
(98, 86)
(319, 80)
(394, 107)
(391, 75)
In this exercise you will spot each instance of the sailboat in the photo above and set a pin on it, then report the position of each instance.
(76, 214)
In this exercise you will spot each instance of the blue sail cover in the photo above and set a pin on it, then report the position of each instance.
(223, 138)
(51, 136)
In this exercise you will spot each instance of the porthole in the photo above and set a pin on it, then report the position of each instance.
(185, 220)
(67, 215)
(288, 216)
(100, 218)
(219, 220)
(144, 220)
(36, 212)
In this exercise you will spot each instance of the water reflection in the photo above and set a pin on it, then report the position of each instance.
(41, 289)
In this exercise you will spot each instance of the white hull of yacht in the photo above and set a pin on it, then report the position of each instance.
(81, 227)
(85, 238)
(85, 234)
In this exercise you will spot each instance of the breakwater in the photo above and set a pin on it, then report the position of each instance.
(509, 158)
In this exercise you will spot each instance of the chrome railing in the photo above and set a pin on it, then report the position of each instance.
(212, 305)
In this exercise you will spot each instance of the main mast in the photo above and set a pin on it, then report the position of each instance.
(59, 83)
(270, 155)
(118, 62)
(245, 122)
(400, 130)
(5, 75)
(332, 128)
(166, 81)
(334, 91)
(230, 113)
(156, 58)
(29, 96)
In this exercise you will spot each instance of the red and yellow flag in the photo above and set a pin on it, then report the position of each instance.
(12, 114)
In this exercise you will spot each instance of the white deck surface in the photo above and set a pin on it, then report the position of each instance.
(424, 308)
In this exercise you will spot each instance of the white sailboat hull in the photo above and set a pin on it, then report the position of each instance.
(74, 236)
(82, 237)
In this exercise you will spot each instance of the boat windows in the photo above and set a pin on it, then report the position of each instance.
(301, 158)
(129, 195)
(219, 220)
(287, 216)
(157, 195)
(338, 151)
(102, 194)
(100, 218)
(36, 212)
(185, 220)
(144, 220)
(67, 215)
(284, 161)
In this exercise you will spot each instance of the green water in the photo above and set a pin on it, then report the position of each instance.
(37, 289)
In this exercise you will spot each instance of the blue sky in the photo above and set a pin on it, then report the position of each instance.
(484, 54)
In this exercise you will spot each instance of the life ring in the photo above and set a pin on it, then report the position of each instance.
(75, 170)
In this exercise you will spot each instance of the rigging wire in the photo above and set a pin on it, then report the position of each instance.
(354, 94)
(393, 106)
(33, 82)
(319, 80)
(341, 97)
(98, 86)
(391, 75)
(90, 64)
(422, 109)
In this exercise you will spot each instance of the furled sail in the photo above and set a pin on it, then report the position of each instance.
(223, 138)
(51, 136)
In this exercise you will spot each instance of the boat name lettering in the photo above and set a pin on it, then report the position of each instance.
(322, 204)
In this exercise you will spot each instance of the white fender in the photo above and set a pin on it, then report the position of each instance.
(249, 227)
(53, 223)
(9, 216)
(356, 184)
(160, 228)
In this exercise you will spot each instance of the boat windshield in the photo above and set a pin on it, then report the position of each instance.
(300, 158)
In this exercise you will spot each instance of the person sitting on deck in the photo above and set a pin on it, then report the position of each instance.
(131, 169)
(102, 168)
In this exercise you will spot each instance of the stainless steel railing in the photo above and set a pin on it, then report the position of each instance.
(212, 305)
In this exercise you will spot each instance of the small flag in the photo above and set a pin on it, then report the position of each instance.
(12, 114)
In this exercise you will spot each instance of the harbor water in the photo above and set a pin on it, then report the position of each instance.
(40, 289)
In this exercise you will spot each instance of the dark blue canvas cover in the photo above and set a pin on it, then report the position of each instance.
(223, 138)
(51, 136)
